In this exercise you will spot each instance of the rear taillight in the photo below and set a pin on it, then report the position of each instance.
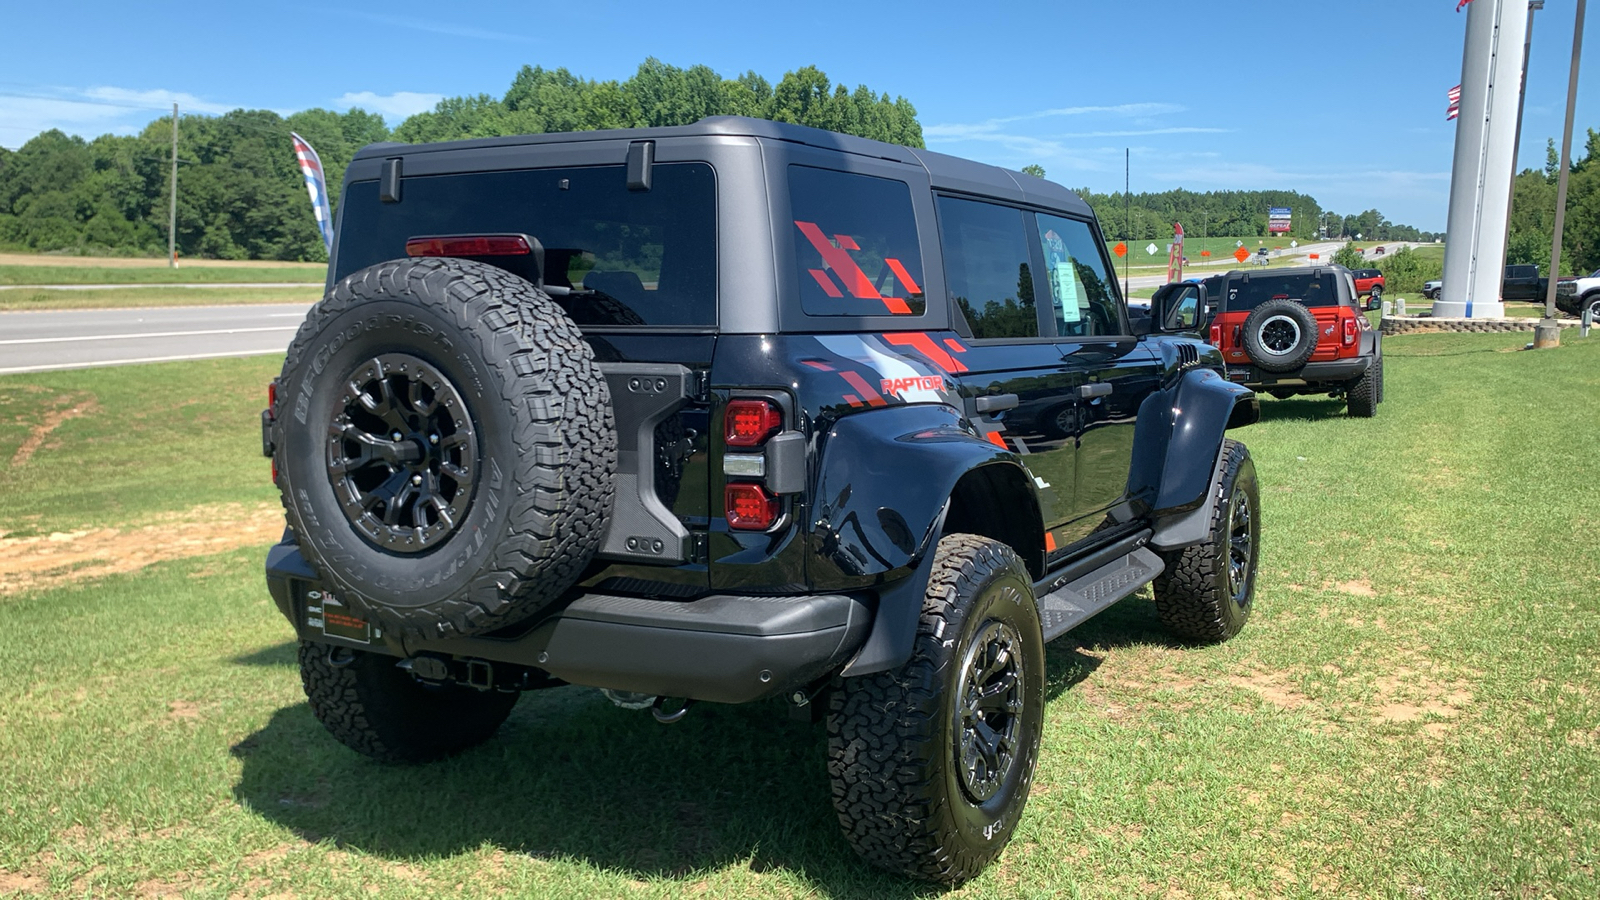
(268, 416)
(469, 245)
(748, 423)
(1349, 331)
(1216, 335)
(749, 507)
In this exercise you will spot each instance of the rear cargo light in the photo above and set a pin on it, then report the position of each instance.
(469, 245)
(1349, 331)
(749, 507)
(748, 423)
(1216, 335)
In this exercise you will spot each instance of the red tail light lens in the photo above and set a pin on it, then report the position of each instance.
(749, 507)
(1349, 331)
(748, 423)
(1216, 335)
(272, 394)
(469, 245)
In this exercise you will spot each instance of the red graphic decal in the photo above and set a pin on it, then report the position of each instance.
(847, 242)
(920, 383)
(955, 345)
(864, 389)
(817, 364)
(997, 440)
(904, 276)
(844, 266)
(923, 344)
(853, 400)
(826, 282)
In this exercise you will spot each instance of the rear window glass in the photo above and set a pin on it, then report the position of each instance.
(632, 257)
(1309, 290)
(855, 243)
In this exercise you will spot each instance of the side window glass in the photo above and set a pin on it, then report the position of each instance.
(986, 267)
(1081, 292)
(1183, 310)
(855, 240)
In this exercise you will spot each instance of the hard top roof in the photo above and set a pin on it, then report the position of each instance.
(946, 172)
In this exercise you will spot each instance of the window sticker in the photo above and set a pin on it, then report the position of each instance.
(1065, 277)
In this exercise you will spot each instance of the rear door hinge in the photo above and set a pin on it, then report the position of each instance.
(700, 386)
(699, 547)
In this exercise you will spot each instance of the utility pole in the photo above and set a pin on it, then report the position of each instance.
(1522, 99)
(1548, 334)
(172, 212)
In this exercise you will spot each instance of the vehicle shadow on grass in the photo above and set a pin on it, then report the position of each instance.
(1307, 409)
(572, 777)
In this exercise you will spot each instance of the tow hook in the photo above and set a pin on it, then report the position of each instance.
(671, 718)
(339, 657)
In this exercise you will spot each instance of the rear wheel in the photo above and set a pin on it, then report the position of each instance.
(1592, 304)
(1206, 591)
(931, 763)
(378, 709)
(1361, 399)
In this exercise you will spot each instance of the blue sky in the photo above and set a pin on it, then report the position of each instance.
(1341, 100)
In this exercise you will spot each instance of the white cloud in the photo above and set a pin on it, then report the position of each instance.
(92, 111)
(433, 26)
(394, 107)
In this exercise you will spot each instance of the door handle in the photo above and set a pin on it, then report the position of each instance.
(1094, 389)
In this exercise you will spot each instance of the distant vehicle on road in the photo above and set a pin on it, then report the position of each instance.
(1430, 289)
(1377, 251)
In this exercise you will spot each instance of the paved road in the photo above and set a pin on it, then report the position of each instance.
(78, 339)
(316, 285)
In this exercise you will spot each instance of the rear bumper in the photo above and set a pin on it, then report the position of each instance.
(721, 648)
(1330, 372)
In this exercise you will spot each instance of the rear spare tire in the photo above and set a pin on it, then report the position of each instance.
(444, 446)
(1280, 335)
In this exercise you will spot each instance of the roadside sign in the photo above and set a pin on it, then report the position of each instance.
(1205, 252)
(1120, 249)
(1238, 243)
(1152, 248)
(1241, 254)
(1313, 257)
(1294, 243)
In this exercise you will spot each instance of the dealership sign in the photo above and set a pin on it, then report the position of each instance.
(1278, 220)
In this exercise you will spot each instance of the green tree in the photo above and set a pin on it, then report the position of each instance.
(1034, 169)
(1349, 257)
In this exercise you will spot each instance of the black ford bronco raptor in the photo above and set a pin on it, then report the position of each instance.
(733, 411)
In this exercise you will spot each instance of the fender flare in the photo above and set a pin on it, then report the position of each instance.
(1188, 424)
(884, 487)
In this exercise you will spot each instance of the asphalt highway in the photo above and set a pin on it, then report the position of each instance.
(44, 341)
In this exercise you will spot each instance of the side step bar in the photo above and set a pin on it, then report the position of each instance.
(1075, 602)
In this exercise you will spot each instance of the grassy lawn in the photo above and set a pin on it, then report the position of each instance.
(1412, 712)
(14, 274)
(115, 298)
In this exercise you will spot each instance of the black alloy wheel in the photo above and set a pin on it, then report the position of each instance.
(402, 453)
(1241, 548)
(989, 709)
(1280, 334)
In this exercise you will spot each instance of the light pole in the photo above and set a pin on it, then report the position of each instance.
(1548, 334)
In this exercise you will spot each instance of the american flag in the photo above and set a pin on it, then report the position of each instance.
(317, 185)
(1455, 103)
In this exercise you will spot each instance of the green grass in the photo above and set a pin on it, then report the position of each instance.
(1410, 713)
(153, 275)
(144, 440)
(21, 299)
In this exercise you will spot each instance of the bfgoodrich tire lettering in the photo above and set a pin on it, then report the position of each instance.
(376, 708)
(922, 783)
(1206, 591)
(536, 409)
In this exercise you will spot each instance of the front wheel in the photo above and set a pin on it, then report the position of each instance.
(931, 763)
(1206, 591)
(378, 709)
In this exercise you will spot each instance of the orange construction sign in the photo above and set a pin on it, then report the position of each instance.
(1120, 249)
(1241, 254)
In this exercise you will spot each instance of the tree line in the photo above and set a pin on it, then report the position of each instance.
(241, 196)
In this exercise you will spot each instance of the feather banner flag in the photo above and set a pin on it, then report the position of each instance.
(1455, 103)
(317, 186)
(1461, 4)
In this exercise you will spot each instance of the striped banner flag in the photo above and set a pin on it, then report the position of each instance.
(317, 185)
(1455, 103)
(1461, 4)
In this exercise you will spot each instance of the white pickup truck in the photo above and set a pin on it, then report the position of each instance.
(1574, 295)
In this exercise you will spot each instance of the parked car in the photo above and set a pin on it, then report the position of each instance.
(734, 411)
(1574, 295)
(1523, 283)
(1430, 289)
(1369, 284)
(1291, 331)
